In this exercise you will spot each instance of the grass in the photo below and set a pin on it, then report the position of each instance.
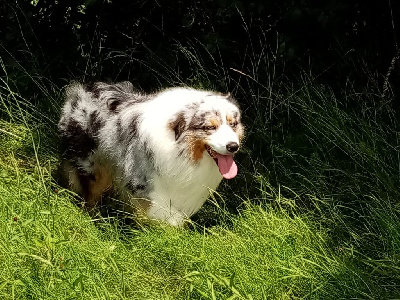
(314, 214)
(50, 249)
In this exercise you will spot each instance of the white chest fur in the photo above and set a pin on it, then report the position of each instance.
(181, 192)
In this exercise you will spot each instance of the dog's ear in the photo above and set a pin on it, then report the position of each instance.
(178, 124)
(230, 98)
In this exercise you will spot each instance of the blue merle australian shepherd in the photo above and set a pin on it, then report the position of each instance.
(162, 153)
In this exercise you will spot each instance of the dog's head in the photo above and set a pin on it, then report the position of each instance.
(212, 125)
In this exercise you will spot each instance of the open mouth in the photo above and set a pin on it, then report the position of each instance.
(226, 165)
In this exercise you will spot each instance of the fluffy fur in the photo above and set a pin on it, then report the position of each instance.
(163, 153)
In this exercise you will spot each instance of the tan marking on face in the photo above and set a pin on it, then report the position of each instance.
(196, 147)
(240, 132)
(197, 150)
(214, 122)
(231, 119)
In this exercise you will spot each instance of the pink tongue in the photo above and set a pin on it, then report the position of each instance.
(227, 166)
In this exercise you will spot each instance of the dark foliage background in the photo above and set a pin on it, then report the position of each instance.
(119, 40)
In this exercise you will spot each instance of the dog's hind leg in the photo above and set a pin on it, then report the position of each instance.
(89, 186)
(95, 185)
(68, 176)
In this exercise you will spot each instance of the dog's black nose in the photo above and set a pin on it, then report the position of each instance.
(232, 147)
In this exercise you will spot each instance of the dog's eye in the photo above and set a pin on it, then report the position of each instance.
(234, 125)
(209, 127)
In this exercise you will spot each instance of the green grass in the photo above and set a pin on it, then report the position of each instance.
(314, 214)
(51, 249)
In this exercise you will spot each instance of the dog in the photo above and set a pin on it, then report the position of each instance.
(163, 153)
